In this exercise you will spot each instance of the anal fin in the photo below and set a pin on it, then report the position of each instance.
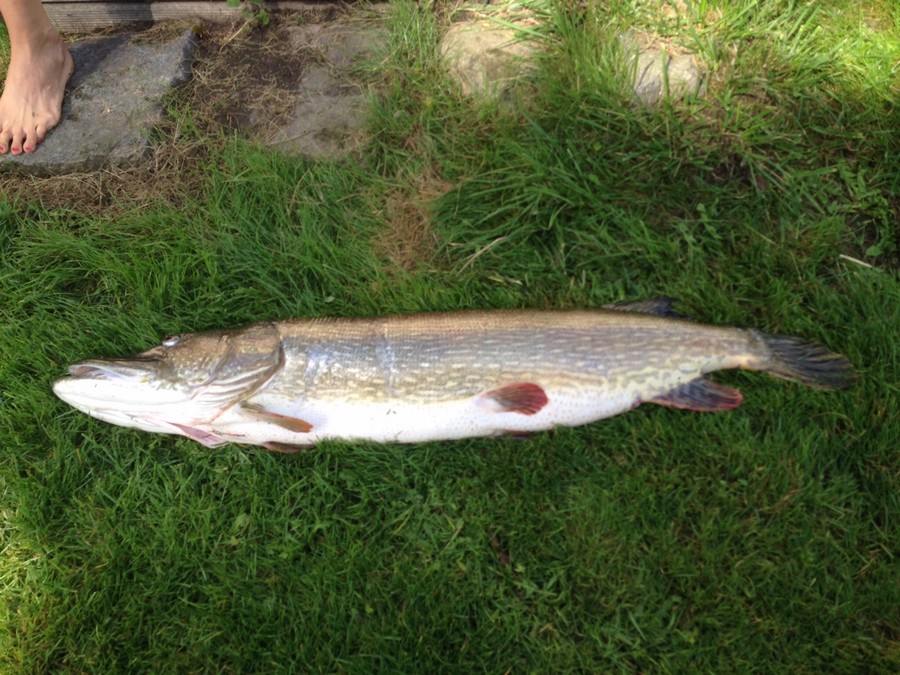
(525, 398)
(701, 395)
(284, 421)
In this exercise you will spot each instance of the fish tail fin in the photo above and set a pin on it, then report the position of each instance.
(807, 362)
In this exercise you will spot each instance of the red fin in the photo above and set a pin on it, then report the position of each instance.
(522, 397)
(701, 395)
(284, 421)
(206, 438)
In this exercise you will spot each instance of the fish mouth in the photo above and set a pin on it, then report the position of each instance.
(124, 369)
(120, 391)
(107, 383)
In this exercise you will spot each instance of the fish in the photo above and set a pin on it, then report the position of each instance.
(408, 378)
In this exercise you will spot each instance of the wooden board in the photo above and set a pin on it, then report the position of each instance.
(84, 15)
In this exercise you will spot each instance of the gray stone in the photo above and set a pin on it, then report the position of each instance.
(659, 73)
(485, 58)
(329, 119)
(324, 127)
(113, 101)
(340, 44)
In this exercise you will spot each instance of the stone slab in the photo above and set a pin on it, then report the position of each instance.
(660, 73)
(484, 57)
(329, 118)
(112, 104)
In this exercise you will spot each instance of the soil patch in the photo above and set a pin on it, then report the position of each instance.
(248, 81)
(244, 80)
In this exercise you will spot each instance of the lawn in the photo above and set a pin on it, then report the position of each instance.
(764, 539)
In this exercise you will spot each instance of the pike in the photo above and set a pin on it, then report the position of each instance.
(285, 385)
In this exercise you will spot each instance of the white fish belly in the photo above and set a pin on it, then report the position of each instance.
(404, 422)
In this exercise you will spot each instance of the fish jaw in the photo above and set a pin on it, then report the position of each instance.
(126, 393)
(113, 384)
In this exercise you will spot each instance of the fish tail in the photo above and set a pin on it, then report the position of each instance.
(807, 362)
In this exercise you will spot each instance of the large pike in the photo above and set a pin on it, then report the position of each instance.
(422, 377)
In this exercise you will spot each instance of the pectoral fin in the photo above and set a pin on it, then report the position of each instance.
(701, 395)
(284, 421)
(525, 398)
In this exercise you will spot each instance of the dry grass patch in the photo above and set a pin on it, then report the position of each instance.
(408, 239)
(172, 172)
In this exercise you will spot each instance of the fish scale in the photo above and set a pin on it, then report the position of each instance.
(421, 377)
(429, 365)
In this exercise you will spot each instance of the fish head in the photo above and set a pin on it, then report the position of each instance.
(186, 381)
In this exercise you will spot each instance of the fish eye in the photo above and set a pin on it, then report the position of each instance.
(171, 340)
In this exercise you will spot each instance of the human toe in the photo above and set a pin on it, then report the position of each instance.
(18, 137)
(33, 139)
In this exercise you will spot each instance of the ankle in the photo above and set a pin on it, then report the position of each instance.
(36, 42)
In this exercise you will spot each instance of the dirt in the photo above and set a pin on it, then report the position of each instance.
(244, 81)
(249, 82)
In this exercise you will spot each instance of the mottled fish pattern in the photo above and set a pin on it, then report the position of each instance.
(420, 377)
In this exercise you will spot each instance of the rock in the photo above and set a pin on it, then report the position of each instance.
(341, 44)
(656, 67)
(329, 119)
(485, 58)
(113, 101)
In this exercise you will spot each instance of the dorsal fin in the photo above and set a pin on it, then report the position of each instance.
(656, 306)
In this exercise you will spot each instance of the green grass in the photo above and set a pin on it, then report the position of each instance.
(764, 539)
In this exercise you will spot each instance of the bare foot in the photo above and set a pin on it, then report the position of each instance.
(32, 96)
